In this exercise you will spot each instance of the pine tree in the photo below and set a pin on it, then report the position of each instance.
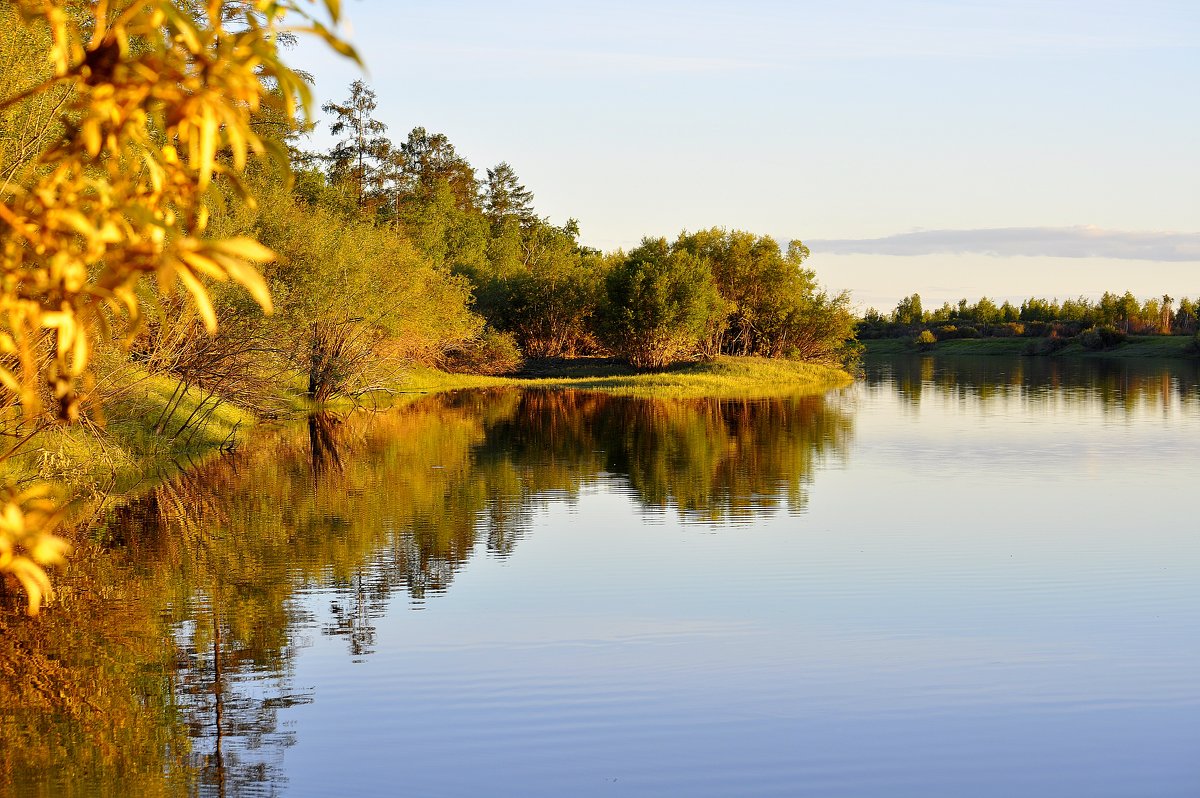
(362, 156)
(505, 198)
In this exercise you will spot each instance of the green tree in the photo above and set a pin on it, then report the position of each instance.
(659, 304)
(427, 160)
(549, 301)
(504, 198)
(361, 157)
(908, 312)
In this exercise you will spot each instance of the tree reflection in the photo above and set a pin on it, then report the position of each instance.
(710, 459)
(179, 687)
(1114, 385)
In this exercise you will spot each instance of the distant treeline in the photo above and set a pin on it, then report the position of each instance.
(1110, 316)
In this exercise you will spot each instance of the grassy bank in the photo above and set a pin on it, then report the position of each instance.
(1137, 346)
(724, 377)
(154, 430)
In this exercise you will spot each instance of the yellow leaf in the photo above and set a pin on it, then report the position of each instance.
(243, 247)
(200, 295)
(237, 143)
(9, 381)
(49, 550)
(34, 580)
(14, 519)
(208, 147)
(203, 264)
(76, 221)
(91, 137)
(249, 278)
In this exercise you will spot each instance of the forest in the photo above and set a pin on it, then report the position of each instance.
(177, 265)
(1096, 324)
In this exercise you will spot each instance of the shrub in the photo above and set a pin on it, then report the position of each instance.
(967, 331)
(1103, 337)
(924, 339)
(1010, 329)
(659, 305)
(493, 352)
(1045, 346)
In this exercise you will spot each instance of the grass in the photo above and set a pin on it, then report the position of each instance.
(92, 461)
(740, 377)
(1138, 346)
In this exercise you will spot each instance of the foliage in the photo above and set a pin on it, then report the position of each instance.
(776, 308)
(1046, 346)
(361, 157)
(491, 353)
(1037, 317)
(659, 304)
(504, 197)
(157, 101)
(924, 339)
(1103, 337)
(908, 312)
(549, 301)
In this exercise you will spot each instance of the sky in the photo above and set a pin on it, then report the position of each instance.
(955, 148)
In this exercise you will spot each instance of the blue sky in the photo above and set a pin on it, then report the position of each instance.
(828, 122)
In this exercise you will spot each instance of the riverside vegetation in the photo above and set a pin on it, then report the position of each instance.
(1115, 325)
(176, 267)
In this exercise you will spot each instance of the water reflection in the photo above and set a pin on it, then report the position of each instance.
(1115, 386)
(165, 665)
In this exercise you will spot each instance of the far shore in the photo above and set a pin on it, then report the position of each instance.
(1136, 346)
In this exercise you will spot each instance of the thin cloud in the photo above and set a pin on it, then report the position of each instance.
(1053, 242)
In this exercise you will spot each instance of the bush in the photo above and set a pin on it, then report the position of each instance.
(924, 339)
(967, 331)
(493, 352)
(1045, 346)
(1098, 338)
(1010, 329)
(659, 305)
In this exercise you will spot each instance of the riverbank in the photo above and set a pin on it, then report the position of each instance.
(1136, 346)
(155, 430)
(722, 377)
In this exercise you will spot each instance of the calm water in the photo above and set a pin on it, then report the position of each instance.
(958, 577)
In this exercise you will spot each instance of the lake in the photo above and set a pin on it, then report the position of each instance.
(957, 577)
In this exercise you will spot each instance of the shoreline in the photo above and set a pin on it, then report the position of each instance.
(104, 465)
(1173, 347)
(722, 377)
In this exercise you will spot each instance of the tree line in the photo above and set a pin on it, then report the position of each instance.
(543, 293)
(1111, 316)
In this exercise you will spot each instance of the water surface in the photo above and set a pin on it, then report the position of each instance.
(958, 577)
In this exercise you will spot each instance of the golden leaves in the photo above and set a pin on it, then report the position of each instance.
(161, 98)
